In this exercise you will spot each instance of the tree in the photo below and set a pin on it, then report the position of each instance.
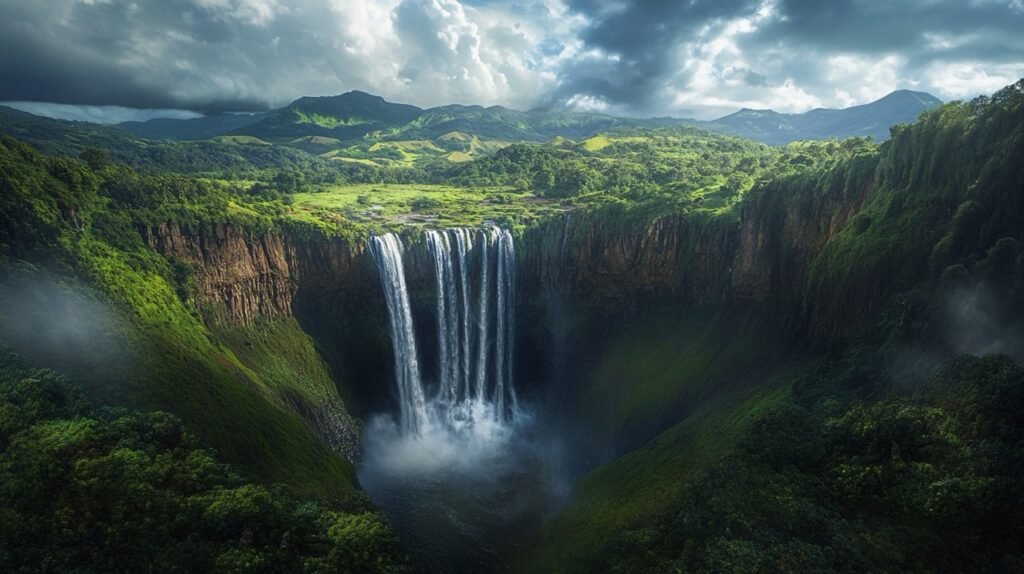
(96, 158)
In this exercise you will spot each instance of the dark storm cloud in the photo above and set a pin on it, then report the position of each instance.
(664, 54)
(80, 53)
(626, 56)
(643, 36)
(980, 30)
(881, 26)
(213, 55)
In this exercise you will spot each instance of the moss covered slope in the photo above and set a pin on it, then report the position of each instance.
(70, 220)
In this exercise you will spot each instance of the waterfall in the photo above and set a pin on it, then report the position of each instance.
(387, 252)
(484, 304)
(448, 336)
(462, 246)
(474, 373)
(504, 322)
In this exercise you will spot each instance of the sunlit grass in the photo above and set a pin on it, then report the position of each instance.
(396, 205)
(596, 143)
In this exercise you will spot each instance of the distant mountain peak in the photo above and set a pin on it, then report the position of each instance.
(350, 96)
(872, 119)
(749, 112)
(906, 92)
(344, 116)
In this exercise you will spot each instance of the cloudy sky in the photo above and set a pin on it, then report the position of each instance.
(123, 59)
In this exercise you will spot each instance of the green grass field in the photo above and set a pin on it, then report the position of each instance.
(390, 206)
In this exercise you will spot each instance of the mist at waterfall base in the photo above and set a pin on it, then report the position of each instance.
(465, 471)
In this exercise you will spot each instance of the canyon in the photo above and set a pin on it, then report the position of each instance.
(331, 286)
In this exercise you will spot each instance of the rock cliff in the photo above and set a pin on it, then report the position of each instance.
(242, 277)
(584, 256)
(238, 277)
(713, 263)
(709, 262)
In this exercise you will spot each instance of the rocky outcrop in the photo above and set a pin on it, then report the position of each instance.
(583, 257)
(238, 277)
(780, 234)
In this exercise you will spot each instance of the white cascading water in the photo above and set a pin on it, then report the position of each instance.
(469, 388)
(504, 395)
(462, 241)
(484, 306)
(387, 252)
(447, 316)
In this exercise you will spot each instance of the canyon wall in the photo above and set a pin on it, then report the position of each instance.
(584, 266)
(239, 279)
(586, 257)
(709, 262)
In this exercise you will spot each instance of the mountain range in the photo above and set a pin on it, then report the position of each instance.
(355, 116)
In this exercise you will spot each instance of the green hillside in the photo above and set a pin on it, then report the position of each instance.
(345, 117)
(200, 128)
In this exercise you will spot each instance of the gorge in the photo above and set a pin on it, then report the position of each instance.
(444, 295)
(799, 358)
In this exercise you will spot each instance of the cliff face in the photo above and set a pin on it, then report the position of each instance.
(580, 256)
(762, 258)
(780, 235)
(252, 289)
(238, 277)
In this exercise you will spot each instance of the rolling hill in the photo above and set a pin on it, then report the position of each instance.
(501, 123)
(201, 128)
(235, 153)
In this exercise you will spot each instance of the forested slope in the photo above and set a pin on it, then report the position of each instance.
(89, 489)
(82, 292)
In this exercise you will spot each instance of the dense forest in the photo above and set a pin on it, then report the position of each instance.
(89, 489)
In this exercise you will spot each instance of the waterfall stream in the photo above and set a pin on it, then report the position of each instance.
(387, 252)
(474, 377)
(504, 396)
